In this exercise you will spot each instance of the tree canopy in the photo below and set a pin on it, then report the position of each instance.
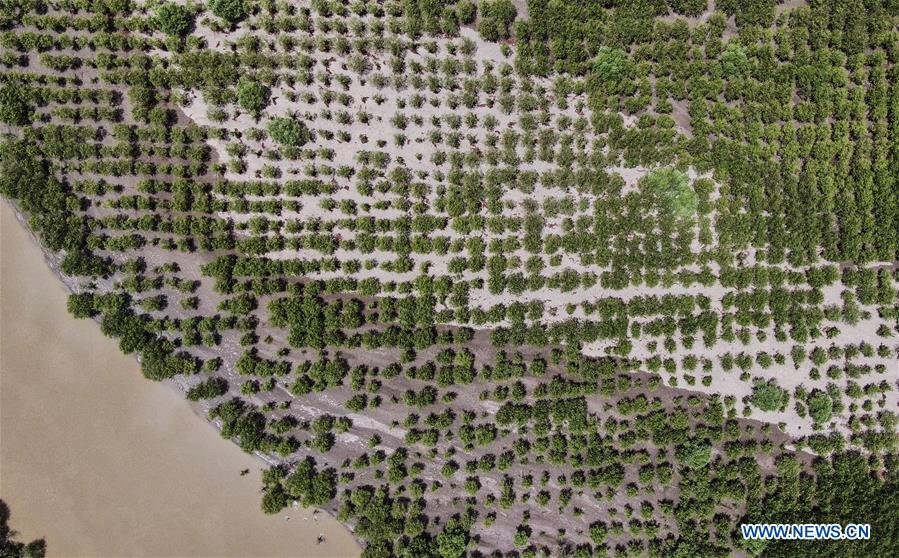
(15, 103)
(768, 395)
(611, 64)
(232, 11)
(671, 192)
(173, 19)
(496, 19)
(252, 95)
(289, 131)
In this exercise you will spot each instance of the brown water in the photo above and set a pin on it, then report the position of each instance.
(101, 462)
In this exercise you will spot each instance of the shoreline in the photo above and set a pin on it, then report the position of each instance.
(70, 285)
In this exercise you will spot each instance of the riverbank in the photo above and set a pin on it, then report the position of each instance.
(100, 461)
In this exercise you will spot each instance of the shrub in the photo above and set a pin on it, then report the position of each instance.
(252, 95)
(694, 454)
(288, 131)
(231, 11)
(496, 19)
(15, 104)
(671, 192)
(173, 19)
(768, 396)
(611, 64)
(598, 532)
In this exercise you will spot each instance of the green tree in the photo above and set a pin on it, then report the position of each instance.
(694, 453)
(15, 103)
(768, 396)
(466, 11)
(451, 543)
(611, 65)
(820, 407)
(274, 500)
(81, 305)
(252, 95)
(496, 19)
(671, 192)
(734, 61)
(231, 11)
(173, 19)
(288, 131)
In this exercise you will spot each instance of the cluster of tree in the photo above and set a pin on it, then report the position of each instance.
(304, 483)
(433, 17)
(568, 412)
(15, 103)
(244, 423)
(24, 177)
(320, 375)
(841, 489)
(395, 525)
(135, 332)
(496, 21)
(776, 113)
(173, 19)
(208, 389)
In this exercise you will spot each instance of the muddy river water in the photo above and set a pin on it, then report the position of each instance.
(101, 462)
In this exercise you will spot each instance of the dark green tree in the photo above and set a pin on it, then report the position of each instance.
(611, 65)
(496, 19)
(15, 103)
(252, 95)
(81, 305)
(288, 131)
(173, 19)
(769, 396)
(231, 11)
